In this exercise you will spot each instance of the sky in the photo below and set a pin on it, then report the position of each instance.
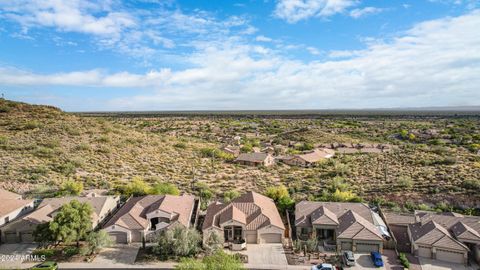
(143, 55)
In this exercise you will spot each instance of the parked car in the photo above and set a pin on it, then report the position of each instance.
(348, 258)
(46, 266)
(376, 258)
(324, 266)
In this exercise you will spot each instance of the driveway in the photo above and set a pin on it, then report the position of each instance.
(428, 264)
(119, 254)
(363, 261)
(265, 254)
(12, 255)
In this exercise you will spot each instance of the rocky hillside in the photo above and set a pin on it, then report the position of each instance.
(41, 146)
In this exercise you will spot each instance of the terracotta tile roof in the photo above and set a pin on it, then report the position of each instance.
(133, 215)
(97, 203)
(304, 210)
(258, 210)
(40, 215)
(324, 216)
(433, 234)
(393, 218)
(354, 226)
(316, 155)
(462, 230)
(7, 195)
(252, 157)
(11, 205)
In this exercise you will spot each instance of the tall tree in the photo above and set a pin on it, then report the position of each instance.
(72, 222)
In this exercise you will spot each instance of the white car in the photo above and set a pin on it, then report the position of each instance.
(324, 266)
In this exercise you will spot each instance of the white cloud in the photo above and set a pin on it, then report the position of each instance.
(296, 10)
(434, 63)
(136, 32)
(313, 50)
(72, 15)
(362, 12)
(263, 39)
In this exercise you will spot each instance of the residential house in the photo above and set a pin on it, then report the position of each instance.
(21, 230)
(255, 159)
(450, 237)
(250, 219)
(142, 218)
(310, 158)
(12, 206)
(340, 226)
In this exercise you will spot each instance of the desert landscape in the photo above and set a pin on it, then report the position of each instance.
(429, 159)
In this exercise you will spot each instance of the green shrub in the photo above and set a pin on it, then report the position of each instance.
(177, 242)
(44, 152)
(70, 251)
(405, 182)
(47, 252)
(31, 125)
(71, 188)
(471, 184)
(403, 260)
(216, 153)
(180, 145)
(165, 188)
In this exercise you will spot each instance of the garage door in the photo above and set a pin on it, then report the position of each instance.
(271, 238)
(367, 247)
(346, 245)
(424, 252)
(10, 237)
(119, 237)
(251, 238)
(449, 256)
(26, 237)
(136, 236)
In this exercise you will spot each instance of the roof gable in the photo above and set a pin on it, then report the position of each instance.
(252, 209)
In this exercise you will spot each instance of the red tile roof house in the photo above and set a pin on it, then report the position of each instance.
(12, 206)
(21, 230)
(340, 226)
(309, 159)
(447, 236)
(250, 219)
(144, 217)
(255, 159)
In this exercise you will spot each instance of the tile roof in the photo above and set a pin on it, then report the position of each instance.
(354, 226)
(324, 216)
(316, 155)
(11, 205)
(252, 157)
(133, 215)
(393, 218)
(445, 230)
(252, 209)
(7, 195)
(304, 210)
(433, 234)
(98, 204)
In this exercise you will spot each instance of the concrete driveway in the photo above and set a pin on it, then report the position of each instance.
(12, 255)
(363, 261)
(119, 254)
(428, 264)
(265, 254)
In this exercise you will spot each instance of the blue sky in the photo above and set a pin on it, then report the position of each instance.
(220, 55)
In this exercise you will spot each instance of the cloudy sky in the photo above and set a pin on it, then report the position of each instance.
(254, 54)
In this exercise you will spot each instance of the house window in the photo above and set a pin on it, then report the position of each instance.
(304, 231)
